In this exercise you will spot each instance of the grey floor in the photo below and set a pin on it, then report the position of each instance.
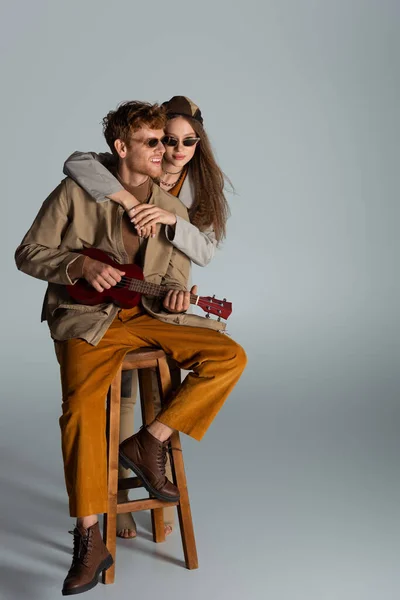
(294, 493)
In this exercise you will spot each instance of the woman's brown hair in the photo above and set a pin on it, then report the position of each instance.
(210, 206)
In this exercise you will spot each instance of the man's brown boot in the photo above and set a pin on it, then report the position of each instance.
(90, 557)
(146, 456)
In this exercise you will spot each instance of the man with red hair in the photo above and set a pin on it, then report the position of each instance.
(91, 341)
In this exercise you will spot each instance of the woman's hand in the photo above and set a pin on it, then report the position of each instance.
(147, 230)
(128, 202)
(134, 209)
(148, 215)
(144, 232)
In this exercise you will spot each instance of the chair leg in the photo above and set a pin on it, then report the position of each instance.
(110, 518)
(178, 471)
(184, 512)
(146, 399)
(157, 525)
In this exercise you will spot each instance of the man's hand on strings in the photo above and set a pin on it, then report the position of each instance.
(100, 275)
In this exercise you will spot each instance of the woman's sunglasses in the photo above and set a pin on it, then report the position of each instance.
(171, 141)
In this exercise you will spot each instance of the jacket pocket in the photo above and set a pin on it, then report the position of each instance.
(84, 308)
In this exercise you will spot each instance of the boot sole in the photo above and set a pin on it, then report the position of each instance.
(128, 464)
(106, 564)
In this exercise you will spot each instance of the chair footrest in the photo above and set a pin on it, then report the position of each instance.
(143, 504)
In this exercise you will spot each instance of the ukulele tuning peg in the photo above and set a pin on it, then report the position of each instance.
(207, 315)
(224, 300)
(219, 319)
(213, 296)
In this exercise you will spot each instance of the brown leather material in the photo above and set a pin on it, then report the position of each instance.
(146, 456)
(90, 557)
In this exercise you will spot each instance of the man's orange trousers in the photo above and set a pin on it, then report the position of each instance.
(215, 361)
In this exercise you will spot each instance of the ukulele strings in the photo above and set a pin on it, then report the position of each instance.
(150, 288)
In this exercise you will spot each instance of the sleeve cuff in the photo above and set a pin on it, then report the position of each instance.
(73, 269)
(170, 231)
(174, 233)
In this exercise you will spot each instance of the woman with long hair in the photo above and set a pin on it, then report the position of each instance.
(190, 172)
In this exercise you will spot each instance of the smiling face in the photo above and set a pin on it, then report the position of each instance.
(142, 154)
(178, 156)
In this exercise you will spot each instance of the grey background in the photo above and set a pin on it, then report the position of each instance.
(295, 489)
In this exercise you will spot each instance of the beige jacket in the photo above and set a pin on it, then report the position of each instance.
(90, 171)
(68, 221)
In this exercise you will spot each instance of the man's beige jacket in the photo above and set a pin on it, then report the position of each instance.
(68, 221)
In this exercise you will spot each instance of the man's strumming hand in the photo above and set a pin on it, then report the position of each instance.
(100, 275)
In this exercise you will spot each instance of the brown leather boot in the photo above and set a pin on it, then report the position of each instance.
(90, 557)
(146, 456)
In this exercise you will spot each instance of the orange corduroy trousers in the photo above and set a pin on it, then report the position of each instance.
(215, 363)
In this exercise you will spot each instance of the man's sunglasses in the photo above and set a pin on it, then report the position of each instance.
(153, 142)
(171, 141)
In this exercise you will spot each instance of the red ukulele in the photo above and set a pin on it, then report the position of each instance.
(128, 291)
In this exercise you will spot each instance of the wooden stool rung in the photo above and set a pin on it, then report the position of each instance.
(143, 504)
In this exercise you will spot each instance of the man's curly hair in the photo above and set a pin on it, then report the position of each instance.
(128, 118)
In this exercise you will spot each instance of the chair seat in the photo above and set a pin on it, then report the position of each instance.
(133, 359)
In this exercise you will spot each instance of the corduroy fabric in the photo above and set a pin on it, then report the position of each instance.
(216, 362)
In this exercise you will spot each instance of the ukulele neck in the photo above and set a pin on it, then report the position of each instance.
(153, 289)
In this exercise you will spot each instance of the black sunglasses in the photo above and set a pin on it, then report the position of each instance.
(171, 141)
(153, 142)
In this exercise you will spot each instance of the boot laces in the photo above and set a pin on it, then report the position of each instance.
(82, 547)
(162, 455)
